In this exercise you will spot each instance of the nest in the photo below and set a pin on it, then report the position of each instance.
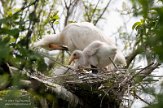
(87, 90)
(83, 89)
(76, 87)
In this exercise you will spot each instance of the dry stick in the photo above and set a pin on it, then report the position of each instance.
(68, 52)
(142, 99)
(141, 71)
(113, 63)
(131, 77)
(63, 56)
(127, 79)
(106, 94)
(128, 91)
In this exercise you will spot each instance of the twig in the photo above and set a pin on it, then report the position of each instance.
(141, 99)
(141, 71)
(102, 13)
(148, 68)
(69, 9)
(24, 7)
(94, 10)
(132, 56)
(86, 12)
(113, 63)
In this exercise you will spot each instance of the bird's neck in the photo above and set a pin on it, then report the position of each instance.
(56, 39)
(84, 59)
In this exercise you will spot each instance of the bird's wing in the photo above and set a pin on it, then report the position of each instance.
(93, 60)
(92, 48)
(91, 51)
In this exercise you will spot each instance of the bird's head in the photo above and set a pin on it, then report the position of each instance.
(75, 55)
(50, 42)
(57, 47)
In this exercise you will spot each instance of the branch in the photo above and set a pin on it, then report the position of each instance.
(52, 23)
(86, 12)
(94, 9)
(137, 96)
(58, 90)
(131, 56)
(69, 9)
(24, 7)
(149, 70)
(102, 13)
(142, 73)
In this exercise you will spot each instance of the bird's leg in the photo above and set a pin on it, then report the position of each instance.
(94, 69)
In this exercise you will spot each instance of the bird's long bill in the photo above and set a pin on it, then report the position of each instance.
(57, 47)
(71, 60)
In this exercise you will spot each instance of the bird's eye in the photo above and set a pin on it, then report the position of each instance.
(74, 54)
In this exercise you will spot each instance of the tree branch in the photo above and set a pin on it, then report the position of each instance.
(102, 12)
(94, 9)
(137, 96)
(132, 56)
(69, 9)
(58, 90)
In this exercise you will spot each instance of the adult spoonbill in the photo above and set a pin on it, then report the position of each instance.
(77, 36)
(96, 54)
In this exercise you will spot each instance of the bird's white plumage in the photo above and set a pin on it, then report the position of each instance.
(97, 54)
(46, 40)
(80, 35)
(119, 58)
(77, 36)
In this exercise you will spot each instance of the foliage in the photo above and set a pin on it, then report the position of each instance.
(149, 29)
(149, 35)
(16, 28)
(21, 25)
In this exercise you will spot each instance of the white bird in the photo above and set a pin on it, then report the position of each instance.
(77, 36)
(96, 54)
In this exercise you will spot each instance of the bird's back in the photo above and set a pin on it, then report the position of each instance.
(80, 35)
(98, 53)
(104, 54)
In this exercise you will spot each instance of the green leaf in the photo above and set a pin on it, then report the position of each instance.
(56, 17)
(136, 24)
(6, 39)
(9, 13)
(56, 22)
(4, 80)
(4, 51)
(12, 32)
